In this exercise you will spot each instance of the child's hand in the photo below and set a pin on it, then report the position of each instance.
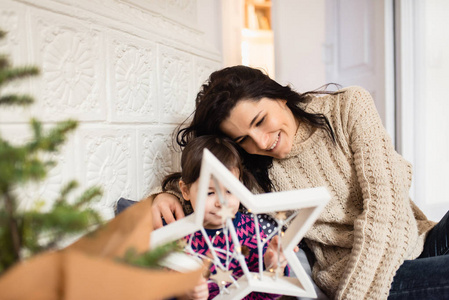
(271, 255)
(199, 292)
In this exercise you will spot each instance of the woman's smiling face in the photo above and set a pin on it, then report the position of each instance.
(264, 127)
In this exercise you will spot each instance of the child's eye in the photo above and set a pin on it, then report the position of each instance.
(228, 192)
(210, 193)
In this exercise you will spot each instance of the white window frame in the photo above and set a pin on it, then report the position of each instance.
(410, 100)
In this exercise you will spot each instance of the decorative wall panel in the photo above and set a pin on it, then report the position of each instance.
(133, 81)
(11, 21)
(158, 157)
(128, 71)
(176, 84)
(107, 160)
(71, 56)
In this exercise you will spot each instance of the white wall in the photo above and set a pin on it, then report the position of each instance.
(209, 20)
(299, 28)
(127, 70)
(333, 41)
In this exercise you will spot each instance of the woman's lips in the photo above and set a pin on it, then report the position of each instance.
(276, 142)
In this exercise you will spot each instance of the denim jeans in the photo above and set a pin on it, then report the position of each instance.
(426, 277)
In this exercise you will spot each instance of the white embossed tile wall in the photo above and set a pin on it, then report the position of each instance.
(12, 21)
(107, 160)
(133, 79)
(71, 56)
(156, 158)
(177, 85)
(127, 70)
(15, 45)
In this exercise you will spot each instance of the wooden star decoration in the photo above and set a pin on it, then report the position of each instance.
(226, 212)
(222, 277)
(277, 272)
(307, 204)
(281, 215)
(245, 250)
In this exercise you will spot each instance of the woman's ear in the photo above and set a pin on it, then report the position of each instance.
(185, 190)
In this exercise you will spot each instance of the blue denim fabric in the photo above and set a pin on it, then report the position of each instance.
(426, 277)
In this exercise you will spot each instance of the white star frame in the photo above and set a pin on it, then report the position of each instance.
(308, 203)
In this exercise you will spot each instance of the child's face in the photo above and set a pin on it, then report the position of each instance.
(211, 219)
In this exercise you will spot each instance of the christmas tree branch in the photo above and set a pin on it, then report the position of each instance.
(12, 224)
(16, 100)
(26, 232)
(51, 141)
(10, 74)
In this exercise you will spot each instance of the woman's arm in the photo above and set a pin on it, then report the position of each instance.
(386, 229)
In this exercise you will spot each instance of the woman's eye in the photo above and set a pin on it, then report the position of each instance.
(228, 192)
(242, 140)
(260, 122)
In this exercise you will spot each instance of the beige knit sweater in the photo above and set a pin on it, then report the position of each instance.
(370, 225)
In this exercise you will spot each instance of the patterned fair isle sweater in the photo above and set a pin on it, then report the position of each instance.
(246, 233)
(370, 226)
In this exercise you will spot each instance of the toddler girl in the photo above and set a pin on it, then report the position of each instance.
(188, 179)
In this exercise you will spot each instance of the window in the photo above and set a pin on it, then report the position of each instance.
(423, 100)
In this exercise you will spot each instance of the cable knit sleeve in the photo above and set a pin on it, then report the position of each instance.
(383, 232)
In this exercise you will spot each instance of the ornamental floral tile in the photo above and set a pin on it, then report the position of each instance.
(203, 68)
(175, 85)
(108, 160)
(157, 157)
(14, 45)
(12, 21)
(70, 54)
(133, 80)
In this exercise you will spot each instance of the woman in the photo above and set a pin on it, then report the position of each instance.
(368, 237)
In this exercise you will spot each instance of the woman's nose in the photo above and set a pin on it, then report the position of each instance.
(261, 140)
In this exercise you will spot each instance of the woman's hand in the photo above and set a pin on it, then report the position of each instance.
(166, 206)
(199, 292)
(271, 256)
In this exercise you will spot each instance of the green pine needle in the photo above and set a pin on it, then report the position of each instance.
(67, 189)
(16, 100)
(4, 62)
(88, 196)
(10, 74)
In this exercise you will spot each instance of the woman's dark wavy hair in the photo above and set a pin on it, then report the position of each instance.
(220, 94)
